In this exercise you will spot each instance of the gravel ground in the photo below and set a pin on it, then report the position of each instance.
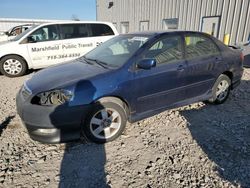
(194, 146)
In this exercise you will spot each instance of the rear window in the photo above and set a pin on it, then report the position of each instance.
(199, 46)
(101, 30)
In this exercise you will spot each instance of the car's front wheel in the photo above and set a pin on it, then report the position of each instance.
(221, 89)
(13, 66)
(105, 122)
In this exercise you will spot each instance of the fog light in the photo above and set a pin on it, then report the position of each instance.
(47, 131)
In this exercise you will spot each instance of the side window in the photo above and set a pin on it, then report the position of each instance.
(24, 28)
(71, 31)
(16, 31)
(166, 50)
(101, 30)
(83, 30)
(199, 46)
(46, 33)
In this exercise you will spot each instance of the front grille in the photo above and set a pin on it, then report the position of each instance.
(25, 92)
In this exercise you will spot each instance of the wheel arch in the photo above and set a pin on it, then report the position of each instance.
(18, 56)
(230, 75)
(116, 99)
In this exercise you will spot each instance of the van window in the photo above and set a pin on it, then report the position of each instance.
(71, 31)
(101, 30)
(46, 33)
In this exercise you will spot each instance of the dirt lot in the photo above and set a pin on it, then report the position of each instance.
(194, 146)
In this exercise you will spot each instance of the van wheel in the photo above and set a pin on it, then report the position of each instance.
(221, 90)
(13, 66)
(105, 122)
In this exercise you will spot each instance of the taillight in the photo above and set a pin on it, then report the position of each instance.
(241, 57)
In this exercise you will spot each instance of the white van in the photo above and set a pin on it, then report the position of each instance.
(51, 43)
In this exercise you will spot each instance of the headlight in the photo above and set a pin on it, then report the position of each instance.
(54, 97)
(25, 91)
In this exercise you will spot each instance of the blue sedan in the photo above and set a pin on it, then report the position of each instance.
(127, 78)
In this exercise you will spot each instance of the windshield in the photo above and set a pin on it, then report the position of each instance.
(24, 33)
(116, 51)
(9, 30)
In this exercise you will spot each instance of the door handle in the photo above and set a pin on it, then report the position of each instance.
(180, 67)
(218, 59)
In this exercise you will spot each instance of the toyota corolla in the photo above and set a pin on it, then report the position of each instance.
(127, 78)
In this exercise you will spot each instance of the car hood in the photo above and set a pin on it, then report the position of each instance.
(62, 76)
(4, 41)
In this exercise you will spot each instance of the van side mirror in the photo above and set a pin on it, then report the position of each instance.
(30, 39)
(146, 64)
(7, 33)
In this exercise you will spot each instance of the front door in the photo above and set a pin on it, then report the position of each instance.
(44, 46)
(162, 85)
(211, 25)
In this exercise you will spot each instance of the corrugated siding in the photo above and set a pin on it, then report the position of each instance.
(234, 14)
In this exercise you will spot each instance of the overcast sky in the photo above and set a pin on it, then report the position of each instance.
(48, 9)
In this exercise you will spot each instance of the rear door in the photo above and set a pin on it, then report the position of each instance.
(80, 38)
(76, 41)
(204, 58)
(163, 85)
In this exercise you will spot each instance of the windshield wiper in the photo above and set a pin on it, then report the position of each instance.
(85, 60)
(100, 63)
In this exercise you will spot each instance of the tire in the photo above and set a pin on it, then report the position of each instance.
(221, 90)
(100, 127)
(13, 66)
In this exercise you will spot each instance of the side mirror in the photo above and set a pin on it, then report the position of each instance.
(7, 33)
(30, 39)
(146, 64)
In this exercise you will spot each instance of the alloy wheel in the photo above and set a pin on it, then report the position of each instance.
(12, 66)
(105, 123)
(222, 90)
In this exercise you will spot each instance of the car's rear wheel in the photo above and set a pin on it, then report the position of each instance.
(221, 90)
(105, 122)
(13, 66)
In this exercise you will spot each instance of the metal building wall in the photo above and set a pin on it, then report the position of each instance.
(234, 14)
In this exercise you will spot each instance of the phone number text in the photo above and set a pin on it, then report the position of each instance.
(62, 56)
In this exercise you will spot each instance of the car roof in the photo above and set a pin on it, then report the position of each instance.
(25, 25)
(75, 22)
(153, 33)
